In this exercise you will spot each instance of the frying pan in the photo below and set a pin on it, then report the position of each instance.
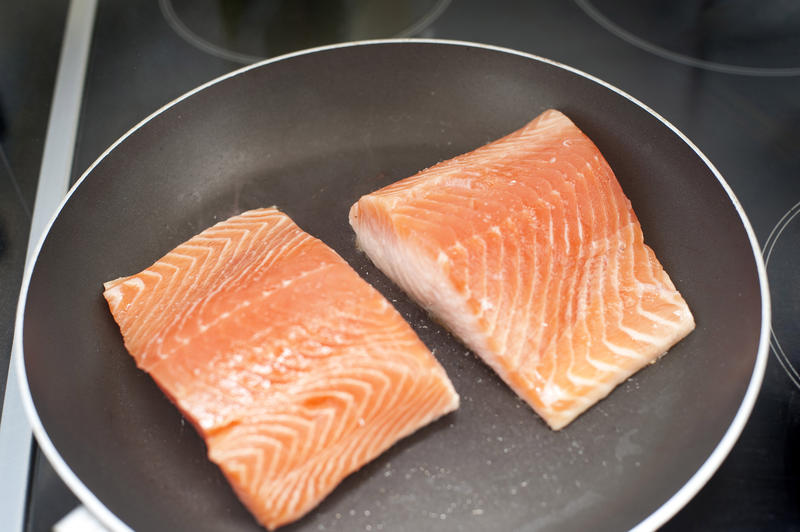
(310, 132)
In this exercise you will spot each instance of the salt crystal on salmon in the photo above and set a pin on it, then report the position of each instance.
(294, 370)
(528, 250)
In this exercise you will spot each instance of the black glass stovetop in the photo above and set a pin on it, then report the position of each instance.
(726, 73)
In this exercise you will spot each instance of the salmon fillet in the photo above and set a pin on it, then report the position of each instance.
(528, 250)
(293, 369)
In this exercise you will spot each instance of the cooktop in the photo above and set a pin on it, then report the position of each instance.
(727, 74)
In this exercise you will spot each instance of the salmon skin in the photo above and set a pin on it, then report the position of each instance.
(293, 369)
(528, 250)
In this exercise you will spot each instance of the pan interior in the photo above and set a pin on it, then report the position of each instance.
(310, 135)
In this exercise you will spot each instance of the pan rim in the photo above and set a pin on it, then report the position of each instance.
(657, 518)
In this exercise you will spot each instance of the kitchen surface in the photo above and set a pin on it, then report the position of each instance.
(725, 73)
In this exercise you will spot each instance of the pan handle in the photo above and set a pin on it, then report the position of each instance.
(79, 520)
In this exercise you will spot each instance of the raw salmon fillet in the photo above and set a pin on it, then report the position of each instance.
(293, 369)
(528, 250)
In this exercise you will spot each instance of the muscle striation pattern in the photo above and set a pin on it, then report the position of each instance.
(292, 368)
(530, 252)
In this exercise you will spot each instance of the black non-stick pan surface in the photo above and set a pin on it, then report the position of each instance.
(310, 133)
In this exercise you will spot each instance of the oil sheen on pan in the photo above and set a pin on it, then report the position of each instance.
(293, 369)
(528, 250)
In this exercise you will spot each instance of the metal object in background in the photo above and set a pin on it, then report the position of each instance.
(54, 178)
